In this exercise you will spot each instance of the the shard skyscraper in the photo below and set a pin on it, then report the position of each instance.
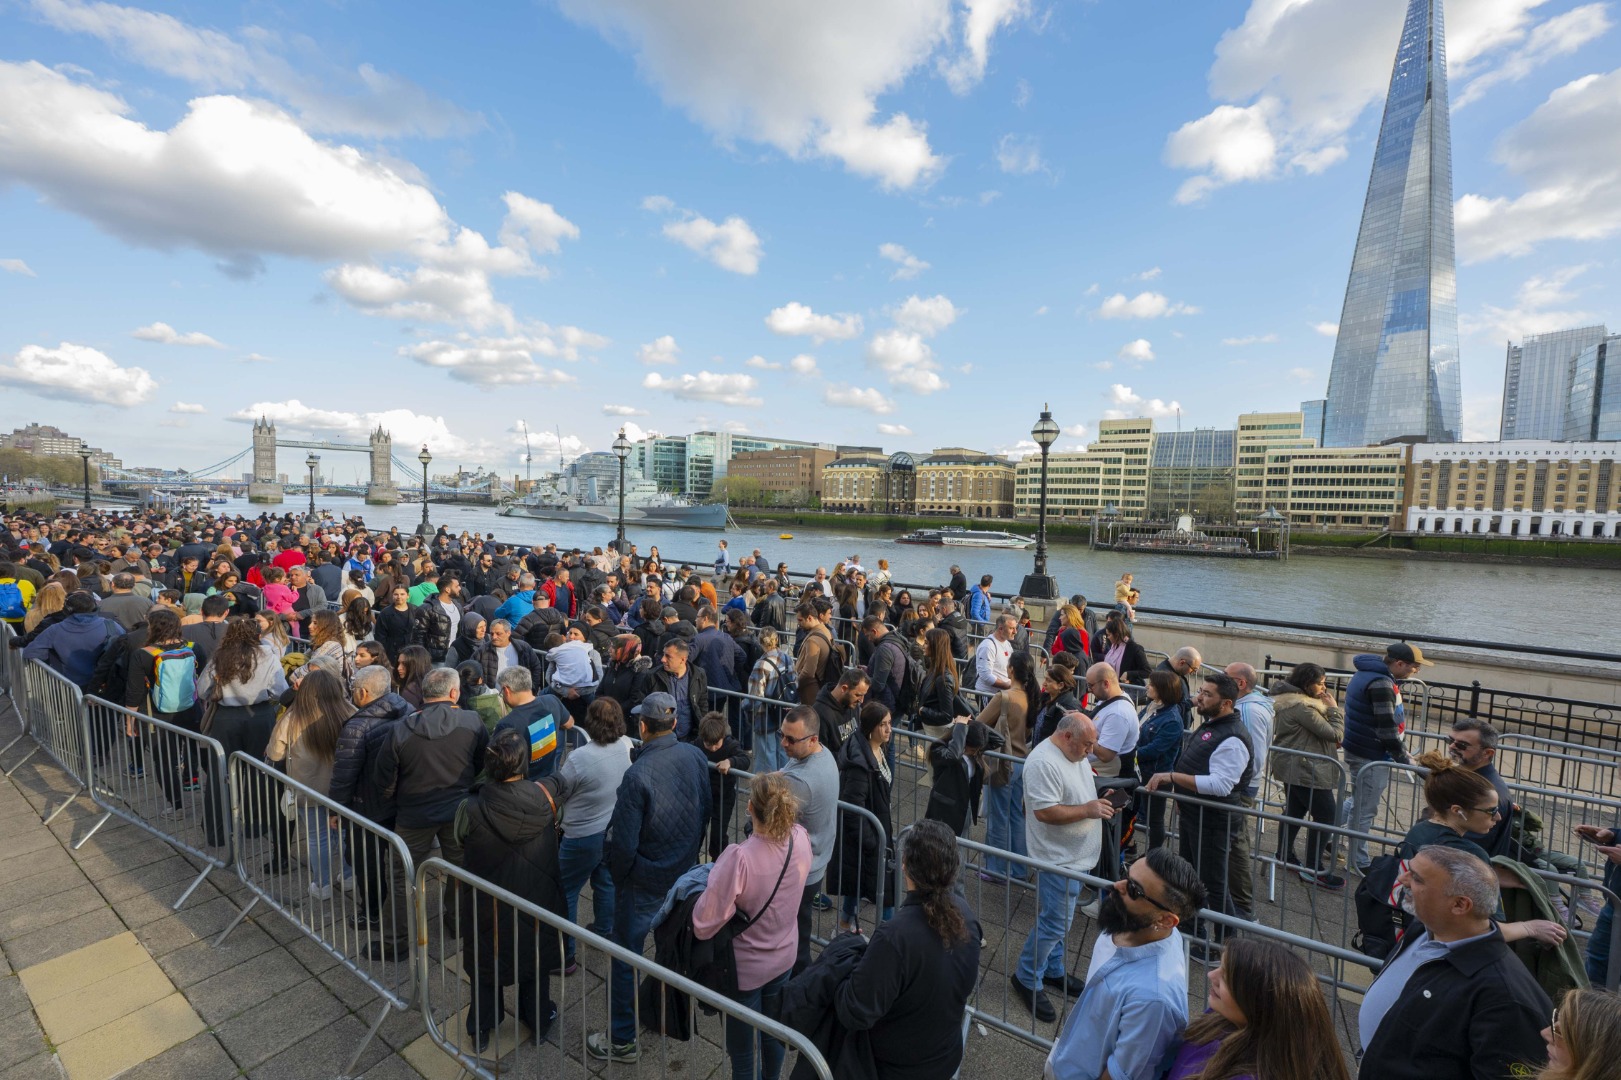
(1395, 371)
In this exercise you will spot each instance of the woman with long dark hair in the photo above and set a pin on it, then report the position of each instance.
(861, 856)
(1267, 1021)
(910, 987)
(1010, 714)
(304, 745)
(241, 689)
(413, 664)
(358, 624)
(1115, 646)
(1161, 722)
(939, 700)
(162, 670)
(396, 621)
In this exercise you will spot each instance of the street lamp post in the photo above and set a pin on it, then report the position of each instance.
(621, 451)
(84, 455)
(310, 463)
(425, 530)
(1039, 585)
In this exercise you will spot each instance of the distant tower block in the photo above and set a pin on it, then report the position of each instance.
(380, 489)
(263, 488)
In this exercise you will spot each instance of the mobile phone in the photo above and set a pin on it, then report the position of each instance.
(1119, 798)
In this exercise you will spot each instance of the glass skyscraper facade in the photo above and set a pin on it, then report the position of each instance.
(1537, 383)
(1395, 372)
(1594, 410)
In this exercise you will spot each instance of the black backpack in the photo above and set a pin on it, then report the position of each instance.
(1379, 916)
(838, 658)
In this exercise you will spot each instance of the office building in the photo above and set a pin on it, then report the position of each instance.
(1258, 433)
(1537, 382)
(1395, 373)
(1352, 487)
(1311, 419)
(1519, 488)
(959, 482)
(866, 482)
(786, 477)
(1191, 472)
(1112, 471)
(1594, 410)
(51, 441)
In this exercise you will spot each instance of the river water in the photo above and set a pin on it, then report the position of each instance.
(1531, 604)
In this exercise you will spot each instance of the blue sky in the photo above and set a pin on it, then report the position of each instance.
(908, 224)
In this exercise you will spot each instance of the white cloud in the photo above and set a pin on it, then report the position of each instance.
(1022, 93)
(794, 319)
(17, 266)
(164, 334)
(803, 78)
(534, 226)
(897, 430)
(734, 390)
(183, 407)
(907, 360)
(925, 316)
(803, 364)
(1327, 329)
(1042, 310)
(1304, 375)
(1139, 351)
(730, 245)
(980, 22)
(623, 410)
(1075, 430)
(1145, 305)
(422, 294)
(908, 266)
(1091, 290)
(1124, 403)
(850, 397)
(365, 102)
(1558, 37)
(506, 361)
(1564, 153)
(254, 358)
(762, 364)
(1291, 82)
(76, 373)
(658, 204)
(1104, 365)
(1019, 154)
(661, 350)
(409, 429)
(1255, 339)
(1147, 275)
(1542, 304)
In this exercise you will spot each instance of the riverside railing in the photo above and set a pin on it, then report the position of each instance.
(506, 940)
(53, 708)
(156, 776)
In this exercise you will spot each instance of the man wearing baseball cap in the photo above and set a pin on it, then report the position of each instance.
(1374, 723)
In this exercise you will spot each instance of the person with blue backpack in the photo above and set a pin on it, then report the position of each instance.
(163, 684)
(16, 596)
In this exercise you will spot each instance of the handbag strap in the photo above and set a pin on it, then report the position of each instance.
(748, 920)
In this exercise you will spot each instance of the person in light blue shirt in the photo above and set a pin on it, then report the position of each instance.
(1130, 1017)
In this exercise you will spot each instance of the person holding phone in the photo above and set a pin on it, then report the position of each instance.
(1598, 946)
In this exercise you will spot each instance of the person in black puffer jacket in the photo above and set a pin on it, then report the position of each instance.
(508, 831)
(377, 708)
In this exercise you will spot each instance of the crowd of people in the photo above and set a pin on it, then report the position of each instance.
(547, 719)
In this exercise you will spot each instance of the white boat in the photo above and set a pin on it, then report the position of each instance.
(957, 536)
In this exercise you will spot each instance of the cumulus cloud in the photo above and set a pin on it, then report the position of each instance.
(851, 397)
(661, 350)
(722, 389)
(623, 410)
(907, 360)
(762, 364)
(407, 427)
(507, 361)
(803, 78)
(1147, 275)
(534, 226)
(1139, 351)
(17, 266)
(925, 316)
(794, 319)
(1019, 154)
(1145, 305)
(76, 373)
(1294, 78)
(422, 294)
(803, 364)
(1543, 303)
(1125, 402)
(899, 430)
(730, 245)
(907, 265)
(183, 407)
(364, 102)
(1564, 154)
(980, 21)
(164, 334)
(1075, 430)
(1327, 329)
(1256, 339)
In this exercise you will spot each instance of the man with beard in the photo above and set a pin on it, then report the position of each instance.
(1130, 1017)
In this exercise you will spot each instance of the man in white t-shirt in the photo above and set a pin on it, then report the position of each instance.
(1116, 720)
(1063, 826)
(991, 658)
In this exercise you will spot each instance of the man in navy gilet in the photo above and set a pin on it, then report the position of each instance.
(1374, 723)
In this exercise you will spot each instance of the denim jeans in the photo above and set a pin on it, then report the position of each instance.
(740, 1037)
(633, 917)
(769, 755)
(1367, 791)
(322, 840)
(580, 858)
(1598, 948)
(1004, 825)
(1043, 953)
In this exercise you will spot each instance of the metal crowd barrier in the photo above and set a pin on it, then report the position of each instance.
(514, 942)
(159, 777)
(53, 712)
(11, 665)
(273, 820)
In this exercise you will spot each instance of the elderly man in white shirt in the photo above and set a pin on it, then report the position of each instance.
(991, 657)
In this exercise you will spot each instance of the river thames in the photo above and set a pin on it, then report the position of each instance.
(1536, 605)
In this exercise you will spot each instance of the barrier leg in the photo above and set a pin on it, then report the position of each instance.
(94, 829)
(77, 791)
(25, 757)
(371, 1032)
(198, 880)
(234, 922)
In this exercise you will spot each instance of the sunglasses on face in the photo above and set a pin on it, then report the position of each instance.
(789, 740)
(1137, 892)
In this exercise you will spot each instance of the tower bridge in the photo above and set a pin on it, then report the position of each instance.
(264, 488)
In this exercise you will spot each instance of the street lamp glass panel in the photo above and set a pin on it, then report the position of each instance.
(311, 462)
(1045, 433)
(622, 446)
(424, 457)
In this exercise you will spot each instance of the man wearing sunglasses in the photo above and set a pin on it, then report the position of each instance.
(1130, 1016)
(1473, 744)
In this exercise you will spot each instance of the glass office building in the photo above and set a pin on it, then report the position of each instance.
(1395, 373)
(1184, 465)
(1537, 383)
(1594, 411)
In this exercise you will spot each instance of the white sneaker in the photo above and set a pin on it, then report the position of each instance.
(320, 892)
(1092, 910)
(348, 883)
